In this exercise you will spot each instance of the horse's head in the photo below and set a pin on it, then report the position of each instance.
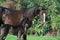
(41, 11)
(42, 15)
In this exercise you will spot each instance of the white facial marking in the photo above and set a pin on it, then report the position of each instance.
(44, 17)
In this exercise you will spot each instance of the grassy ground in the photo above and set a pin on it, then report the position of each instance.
(11, 37)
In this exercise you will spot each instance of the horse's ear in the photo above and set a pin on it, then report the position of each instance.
(44, 8)
(36, 9)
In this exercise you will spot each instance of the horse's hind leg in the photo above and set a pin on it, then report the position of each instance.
(4, 31)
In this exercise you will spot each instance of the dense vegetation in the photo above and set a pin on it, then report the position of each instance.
(52, 14)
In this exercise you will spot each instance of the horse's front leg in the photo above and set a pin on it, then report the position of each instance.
(24, 35)
(4, 31)
(19, 35)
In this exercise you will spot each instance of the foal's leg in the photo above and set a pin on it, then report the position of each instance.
(4, 31)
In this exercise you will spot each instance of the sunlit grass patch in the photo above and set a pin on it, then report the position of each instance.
(30, 37)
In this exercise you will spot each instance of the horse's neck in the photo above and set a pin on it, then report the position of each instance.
(30, 13)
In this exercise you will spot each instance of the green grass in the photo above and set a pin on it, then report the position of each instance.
(11, 37)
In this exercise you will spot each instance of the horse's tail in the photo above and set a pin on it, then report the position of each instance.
(2, 9)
